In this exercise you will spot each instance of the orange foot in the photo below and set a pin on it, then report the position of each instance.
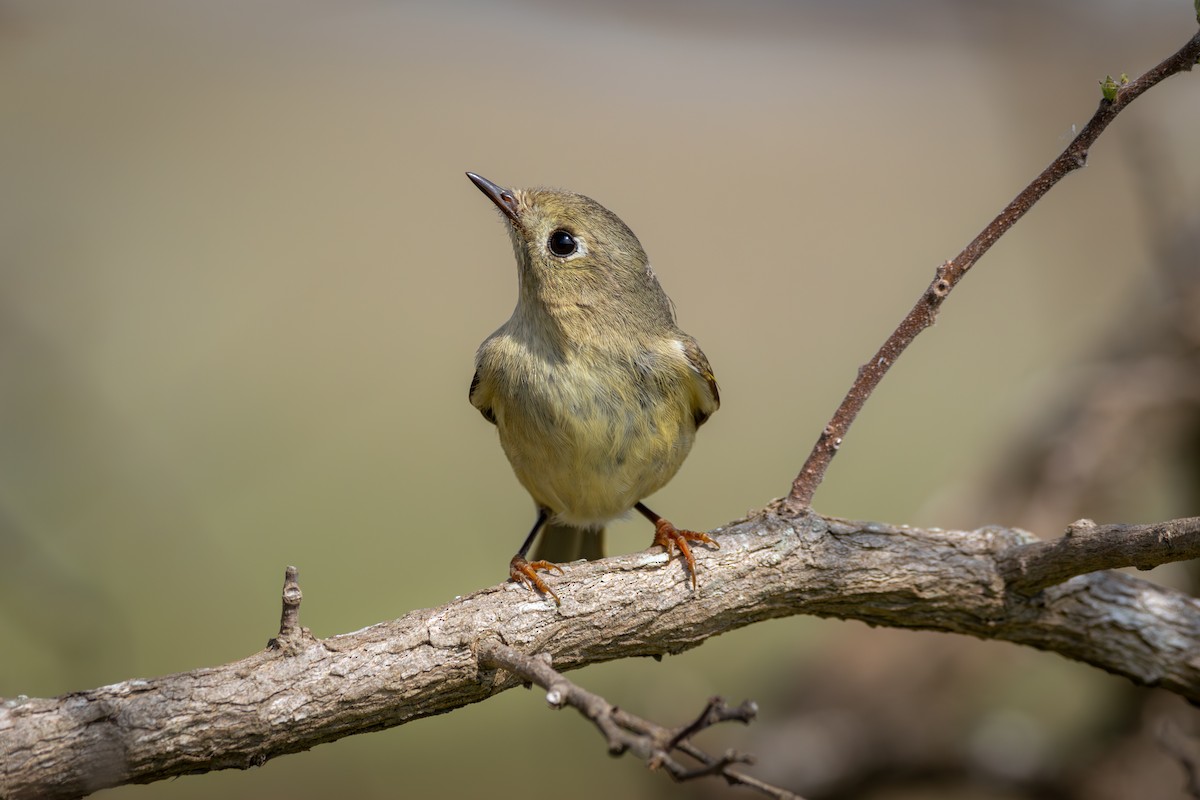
(526, 572)
(669, 537)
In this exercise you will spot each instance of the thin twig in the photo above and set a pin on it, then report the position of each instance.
(1087, 547)
(950, 273)
(716, 711)
(624, 731)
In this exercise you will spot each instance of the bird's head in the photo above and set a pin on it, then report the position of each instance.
(573, 254)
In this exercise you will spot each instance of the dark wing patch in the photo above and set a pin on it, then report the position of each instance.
(699, 362)
(488, 414)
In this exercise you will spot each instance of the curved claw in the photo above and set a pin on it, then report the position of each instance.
(526, 573)
(669, 537)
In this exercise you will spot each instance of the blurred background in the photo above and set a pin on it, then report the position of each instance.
(242, 279)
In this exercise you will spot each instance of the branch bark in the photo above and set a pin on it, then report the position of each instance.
(428, 662)
(1087, 547)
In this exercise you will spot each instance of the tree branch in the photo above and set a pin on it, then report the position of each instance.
(949, 274)
(624, 731)
(771, 565)
(1086, 547)
(301, 692)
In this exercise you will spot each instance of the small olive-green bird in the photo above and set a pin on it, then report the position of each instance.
(596, 393)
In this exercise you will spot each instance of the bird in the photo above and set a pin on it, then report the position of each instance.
(595, 391)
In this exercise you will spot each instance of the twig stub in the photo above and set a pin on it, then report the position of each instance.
(291, 634)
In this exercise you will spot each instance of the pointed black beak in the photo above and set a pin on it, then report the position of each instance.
(505, 200)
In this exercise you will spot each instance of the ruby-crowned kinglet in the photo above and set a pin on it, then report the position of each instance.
(595, 391)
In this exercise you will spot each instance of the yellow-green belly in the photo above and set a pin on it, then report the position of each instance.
(589, 447)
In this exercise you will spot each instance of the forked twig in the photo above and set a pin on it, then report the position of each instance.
(626, 732)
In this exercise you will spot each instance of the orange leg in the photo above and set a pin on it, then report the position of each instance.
(526, 572)
(669, 537)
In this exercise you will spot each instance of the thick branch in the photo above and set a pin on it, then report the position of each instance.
(949, 274)
(287, 700)
(1087, 547)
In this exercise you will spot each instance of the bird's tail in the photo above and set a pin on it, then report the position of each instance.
(560, 543)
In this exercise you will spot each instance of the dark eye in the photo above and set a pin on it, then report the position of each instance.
(562, 243)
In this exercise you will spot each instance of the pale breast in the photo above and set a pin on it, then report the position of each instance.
(587, 437)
